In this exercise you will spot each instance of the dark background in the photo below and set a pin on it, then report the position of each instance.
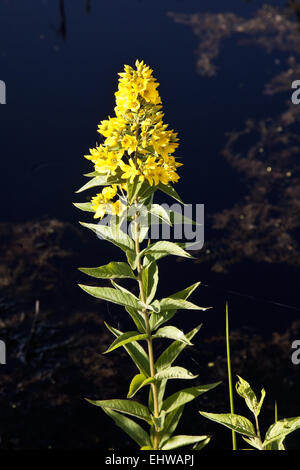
(59, 60)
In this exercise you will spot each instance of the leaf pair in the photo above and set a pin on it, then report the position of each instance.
(276, 433)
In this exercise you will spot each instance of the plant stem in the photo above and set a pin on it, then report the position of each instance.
(234, 446)
(148, 330)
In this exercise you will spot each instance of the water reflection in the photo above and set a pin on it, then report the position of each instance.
(62, 29)
(265, 225)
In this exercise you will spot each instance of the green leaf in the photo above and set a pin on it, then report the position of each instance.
(164, 248)
(156, 319)
(159, 421)
(185, 396)
(170, 191)
(237, 423)
(160, 214)
(279, 430)
(135, 351)
(138, 319)
(171, 353)
(244, 390)
(84, 206)
(170, 303)
(178, 218)
(150, 280)
(134, 430)
(202, 444)
(113, 295)
(125, 338)
(138, 381)
(129, 407)
(171, 423)
(174, 373)
(134, 189)
(275, 445)
(118, 238)
(171, 332)
(97, 181)
(254, 442)
(181, 441)
(92, 174)
(112, 270)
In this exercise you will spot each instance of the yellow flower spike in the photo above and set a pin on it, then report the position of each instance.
(138, 128)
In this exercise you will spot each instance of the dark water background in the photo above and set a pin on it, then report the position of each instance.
(60, 61)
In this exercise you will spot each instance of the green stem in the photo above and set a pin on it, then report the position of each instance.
(234, 446)
(148, 331)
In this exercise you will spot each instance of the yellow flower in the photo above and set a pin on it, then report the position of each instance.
(130, 171)
(117, 207)
(99, 206)
(109, 192)
(129, 143)
(110, 163)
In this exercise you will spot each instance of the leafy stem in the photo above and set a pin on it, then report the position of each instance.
(148, 328)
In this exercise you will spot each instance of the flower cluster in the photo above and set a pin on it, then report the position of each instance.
(137, 145)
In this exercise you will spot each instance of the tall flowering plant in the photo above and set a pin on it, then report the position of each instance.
(135, 160)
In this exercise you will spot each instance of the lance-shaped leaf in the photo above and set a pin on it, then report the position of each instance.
(279, 430)
(129, 407)
(125, 338)
(171, 423)
(170, 191)
(171, 353)
(181, 441)
(170, 303)
(244, 390)
(99, 180)
(171, 332)
(135, 351)
(237, 423)
(138, 319)
(161, 249)
(159, 214)
(150, 280)
(113, 235)
(201, 444)
(115, 269)
(174, 373)
(274, 445)
(84, 206)
(178, 218)
(96, 181)
(157, 319)
(138, 381)
(115, 296)
(185, 396)
(92, 174)
(254, 442)
(134, 430)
